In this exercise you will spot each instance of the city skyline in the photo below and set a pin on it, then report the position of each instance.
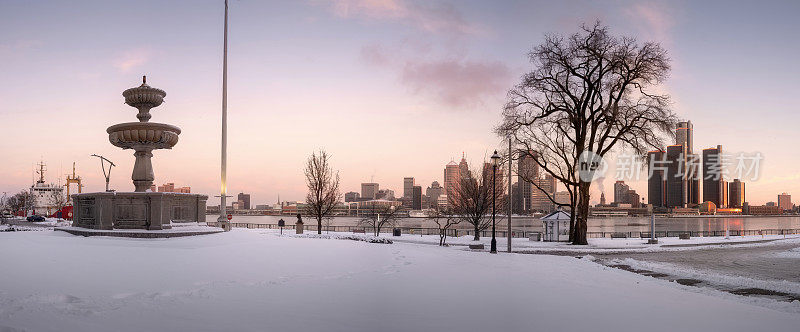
(408, 67)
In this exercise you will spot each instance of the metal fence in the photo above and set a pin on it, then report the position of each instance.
(515, 234)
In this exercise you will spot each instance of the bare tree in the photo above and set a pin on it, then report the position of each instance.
(444, 219)
(21, 202)
(590, 92)
(58, 199)
(471, 199)
(323, 187)
(380, 216)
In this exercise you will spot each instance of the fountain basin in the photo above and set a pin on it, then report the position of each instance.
(132, 134)
(144, 96)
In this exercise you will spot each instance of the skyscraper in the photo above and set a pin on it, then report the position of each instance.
(369, 190)
(528, 169)
(541, 197)
(416, 198)
(693, 179)
(713, 181)
(675, 177)
(452, 178)
(683, 169)
(408, 187)
(499, 181)
(684, 135)
(463, 168)
(621, 192)
(244, 200)
(656, 194)
(736, 194)
(434, 191)
(784, 202)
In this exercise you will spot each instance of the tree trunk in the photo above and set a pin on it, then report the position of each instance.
(319, 225)
(582, 213)
(477, 233)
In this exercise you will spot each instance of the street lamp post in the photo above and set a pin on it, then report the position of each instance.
(223, 221)
(495, 161)
(509, 200)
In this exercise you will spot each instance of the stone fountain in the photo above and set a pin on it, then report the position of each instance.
(140, 209)
(143, 136)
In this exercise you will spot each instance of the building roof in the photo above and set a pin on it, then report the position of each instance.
(557, 215)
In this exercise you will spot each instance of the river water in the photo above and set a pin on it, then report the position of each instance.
(609, 225)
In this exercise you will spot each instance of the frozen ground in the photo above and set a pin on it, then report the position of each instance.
(259, 281)
(596, 245)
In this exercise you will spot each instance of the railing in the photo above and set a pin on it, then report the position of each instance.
(309, 227)
(732, 232)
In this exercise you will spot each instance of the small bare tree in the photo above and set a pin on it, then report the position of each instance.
(444, 220)
(58, 199)
(471, 199)
(323, 187)
(21, 202)
(380, 216)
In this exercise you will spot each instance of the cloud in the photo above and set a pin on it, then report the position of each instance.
(131, 59)
(654, 20)
(457, 83)
(428, 16)
(435, 63)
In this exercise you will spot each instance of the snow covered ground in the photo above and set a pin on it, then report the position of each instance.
(255, 280)
(604, 245)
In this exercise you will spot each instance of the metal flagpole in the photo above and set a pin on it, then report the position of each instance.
(223, 219)
(510, 199)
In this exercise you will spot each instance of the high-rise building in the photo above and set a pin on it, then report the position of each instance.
(408, 187)
(463, 168)
(369, 190)
(683, 169)
(602, 198)
(713, 181)
(736, 196)
(693, 179)
(784, 202)
(656, 186)
(351, 197)
(433, 192)
(244, 200)
(416, 198)
(527, 172)
(452, 179)
(621, 192)
(632, 198)
(675, 177)
(498, 185)
(684, 135)
(541, 197)
(515, 204)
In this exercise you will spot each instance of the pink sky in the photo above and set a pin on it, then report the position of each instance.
(389, 88)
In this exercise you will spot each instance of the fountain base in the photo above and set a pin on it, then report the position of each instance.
(137, 210)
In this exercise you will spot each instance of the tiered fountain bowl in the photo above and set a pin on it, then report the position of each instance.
(142, 208)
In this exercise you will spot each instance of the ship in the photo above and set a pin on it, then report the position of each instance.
(48, 198)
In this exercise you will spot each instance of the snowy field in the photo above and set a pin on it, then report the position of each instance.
(596, 245)
(255, 280)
